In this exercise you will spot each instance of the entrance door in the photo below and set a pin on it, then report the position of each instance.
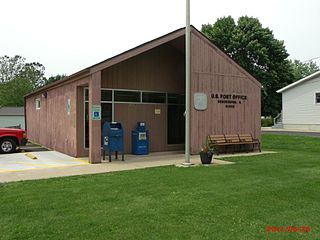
(176, 119)
(106, 113)
(106, 116)
(176, 124)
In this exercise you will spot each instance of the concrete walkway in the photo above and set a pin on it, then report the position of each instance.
(131, 162)
(36, 161)
(270, 130)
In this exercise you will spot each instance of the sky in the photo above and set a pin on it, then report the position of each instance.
(69, 35)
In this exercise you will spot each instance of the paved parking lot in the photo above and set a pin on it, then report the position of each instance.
(44, 159)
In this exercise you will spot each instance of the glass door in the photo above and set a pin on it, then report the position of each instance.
(176, 119)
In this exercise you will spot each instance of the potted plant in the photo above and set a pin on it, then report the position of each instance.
(206, 154)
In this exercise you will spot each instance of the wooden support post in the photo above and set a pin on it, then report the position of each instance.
(94, 122)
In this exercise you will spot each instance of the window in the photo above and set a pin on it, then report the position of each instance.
(106, 95)
(86, 124)
(174, 104)
(152, 97)
(174, 98)
(317, 98)
(38, 103)
(86, 94)
(126, 96)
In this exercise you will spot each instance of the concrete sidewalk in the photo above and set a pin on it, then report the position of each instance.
(131, 162)
(15, 162)
(270, 130)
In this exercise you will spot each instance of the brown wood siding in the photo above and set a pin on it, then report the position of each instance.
(51, 126)
(160, 69)
(138, 50)
(213, 72)
(130, 114)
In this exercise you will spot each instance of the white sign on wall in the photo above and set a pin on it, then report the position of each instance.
(68, 107)
(96, 112)
(200, 101)
(157, 111)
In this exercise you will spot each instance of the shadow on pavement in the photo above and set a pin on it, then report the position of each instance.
(32, 147)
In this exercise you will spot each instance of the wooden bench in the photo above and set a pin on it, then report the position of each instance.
(213, 141)
(232, 138)
(247, 139)
(216, 141)
(234, 141)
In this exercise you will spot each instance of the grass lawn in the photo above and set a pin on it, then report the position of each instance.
(223, 202)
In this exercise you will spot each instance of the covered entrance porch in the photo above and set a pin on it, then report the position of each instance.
(148, 87)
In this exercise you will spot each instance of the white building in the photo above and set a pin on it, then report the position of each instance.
(301, 104)
(12, 117)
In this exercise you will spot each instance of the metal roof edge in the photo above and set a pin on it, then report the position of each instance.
(88, 69)
(313, 75)
(91, 68)
(137, 47)
(63, 80)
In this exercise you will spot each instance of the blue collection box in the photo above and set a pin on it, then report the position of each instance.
(140, 140)
(112, 138)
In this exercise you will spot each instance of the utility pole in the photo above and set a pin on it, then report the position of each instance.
(188, 78)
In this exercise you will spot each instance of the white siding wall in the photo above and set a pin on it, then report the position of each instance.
(298, 104)
(8, 121)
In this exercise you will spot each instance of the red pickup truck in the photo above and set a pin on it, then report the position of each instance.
(11, 139)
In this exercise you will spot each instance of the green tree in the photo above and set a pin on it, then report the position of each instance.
(221, 33)
(257, 50)
(18, 78)
(303, 69)
(54, 78)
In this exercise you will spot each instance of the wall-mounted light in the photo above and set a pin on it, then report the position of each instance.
(44, 94)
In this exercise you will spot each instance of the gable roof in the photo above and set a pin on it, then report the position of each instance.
(116, 59)
(312, 76)
(137, 50)
(141, 49)
(12, 111)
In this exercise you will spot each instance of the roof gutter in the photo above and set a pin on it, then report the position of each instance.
(299, 82)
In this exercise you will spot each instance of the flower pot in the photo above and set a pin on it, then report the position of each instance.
(205, 158)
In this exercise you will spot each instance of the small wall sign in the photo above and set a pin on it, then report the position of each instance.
(68, 107)
(96, 112)
(200, 101)
(229, 100)
(157, 111)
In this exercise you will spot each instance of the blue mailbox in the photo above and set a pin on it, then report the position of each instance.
(140, 140)
(112, 139)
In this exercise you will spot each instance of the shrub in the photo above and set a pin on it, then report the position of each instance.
(267, 122)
